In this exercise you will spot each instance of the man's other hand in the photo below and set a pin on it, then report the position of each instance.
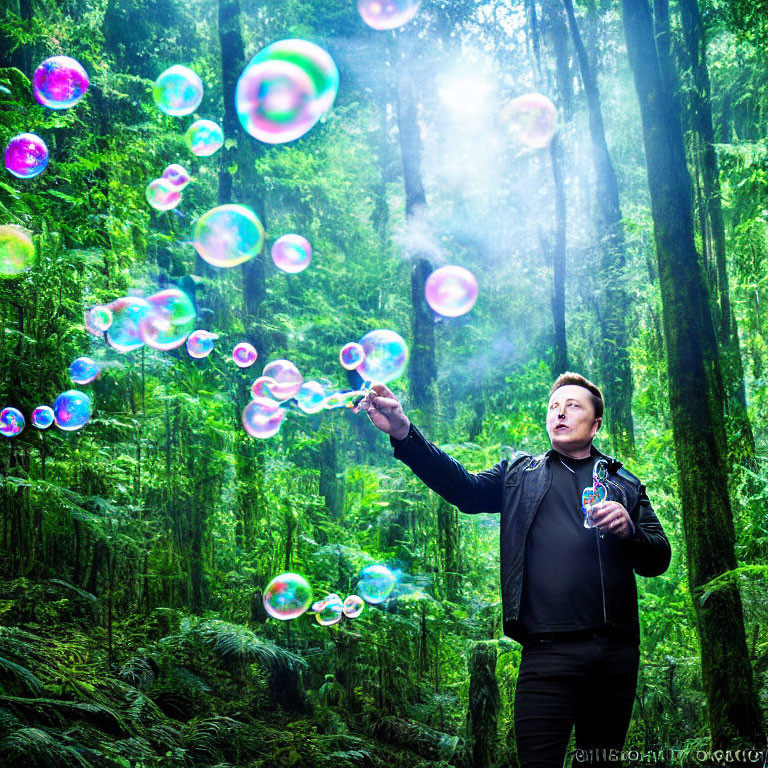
(611, 517)
(385, 411)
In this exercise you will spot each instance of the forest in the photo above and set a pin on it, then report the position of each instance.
(619, 230)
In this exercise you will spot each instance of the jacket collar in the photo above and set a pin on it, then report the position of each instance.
(613, 464)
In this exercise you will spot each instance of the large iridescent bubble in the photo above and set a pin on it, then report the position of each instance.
(59, 82)
(228, 235)
(287, 596)
(353, 606)
(178, 91)
(17, 251)
(287, 379)
(11, 422)
(376, 583)
(84, 371)
(292, 253)
(285, 89)
(127, 313)
(244, 355)
(169, 319)
(386, 355)
(162, 195)
(177, 176)
(451, 291)
(71, 410)
(26, 156)
(42, 417)
(530, 119)
(262, 417)
(200, 344)
(387, 14)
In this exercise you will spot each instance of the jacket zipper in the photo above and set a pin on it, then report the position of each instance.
(600, 566)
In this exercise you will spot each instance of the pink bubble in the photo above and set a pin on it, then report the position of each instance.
(169, 319)
(263, 417)
(263, 386)
(351, 355)
(287, 379)
(162, 195)
(292, 253)
(387, 14)
(11, 422)
(59, 82)
(451, 291)
(353, 606)
(530, 119)
(204, 138)
(200, 344)
(177, 176)
(26, 156)
(244, 354)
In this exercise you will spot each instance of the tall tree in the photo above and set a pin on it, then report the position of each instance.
(614, 300)
(696, 397)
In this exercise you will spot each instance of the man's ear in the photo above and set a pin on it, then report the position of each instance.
(599, 424)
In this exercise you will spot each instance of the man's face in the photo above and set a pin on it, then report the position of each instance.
(571, 422)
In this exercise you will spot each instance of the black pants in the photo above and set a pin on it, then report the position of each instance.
(589, 684)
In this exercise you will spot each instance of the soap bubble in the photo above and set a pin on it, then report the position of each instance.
(177, 176)
(451, 291)
(330, 610)
(386, 355)
(200, 344)
(204, 137)
(287, 596)
(351, 355)
(387, 14)
(530, 119)
(162, 195)
(71, 410)
(244, 354)
(291, 253)
(42, 417)
(169, 319)
(376, 583)
(262, 387)
(285, 89)
(11, 422)
(353, 606)
(178, 91)
(59, 82)
(347, 399)
(83, 371)
(26, 156)
(127, 313)
(287, 379)
(17, 251)
(311, 397)
(228, 235)
(100, 318)
(262, 417)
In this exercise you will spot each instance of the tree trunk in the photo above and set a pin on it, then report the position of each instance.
(696, 398)
(484, 705)
(614, 301)
(448, 533)
(422, 368)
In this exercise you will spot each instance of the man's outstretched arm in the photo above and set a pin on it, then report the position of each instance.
(470, 492)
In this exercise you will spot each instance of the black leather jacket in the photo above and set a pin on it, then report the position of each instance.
(515, 487)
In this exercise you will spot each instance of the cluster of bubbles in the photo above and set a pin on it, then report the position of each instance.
(71, 411)
(164, 193)
(530, 119)
(228, 235)
(292, 253)
(163, 321)
(17, 251)
(380, 355)
(451, 291)
(289, 596)
(387, 14)
(285, 89)
(58, 83)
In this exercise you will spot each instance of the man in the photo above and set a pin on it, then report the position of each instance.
(568, 591)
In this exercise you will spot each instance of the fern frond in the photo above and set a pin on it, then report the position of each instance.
(35, 748)
(9, 670)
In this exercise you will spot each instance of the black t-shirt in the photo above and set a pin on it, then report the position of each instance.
(562, 586)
